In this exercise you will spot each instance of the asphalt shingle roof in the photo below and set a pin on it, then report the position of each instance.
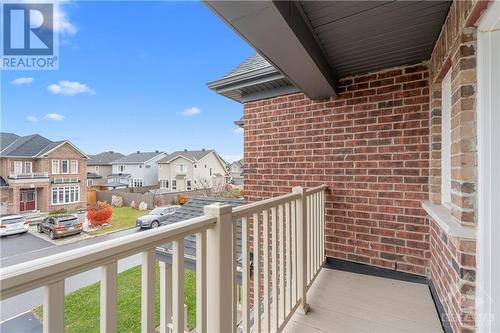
(137, 157)
(194, 208)
(253, 63)
(30, 145)
(193, 155)
(6, 139)
(104, 158)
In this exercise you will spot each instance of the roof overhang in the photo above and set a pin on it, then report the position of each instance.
(313, 43)
(278, 32)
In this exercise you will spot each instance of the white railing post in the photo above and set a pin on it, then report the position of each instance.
(165, 296)
(302, 247)
(219, 274)
(53, 307)
(148, 281)
(108, 295)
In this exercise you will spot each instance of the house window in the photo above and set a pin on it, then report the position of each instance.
(55, 166)
(65, 195)
(18, 167)
(188, 185)
(135, 182)
(174, 184)
(64, 166)
(140, 166)
(164, 183)
(181, 168)
(90, 182)
(446, 140)
(74, 166)
(195, 166)
(28, 167)
(210, 171)
(96, 169)
(121, 168)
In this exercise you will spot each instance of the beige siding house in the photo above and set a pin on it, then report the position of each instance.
(188, 170)
(99, 167)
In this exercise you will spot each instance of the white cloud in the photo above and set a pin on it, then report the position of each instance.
(191, 112)
(70, 88)
(31, 119)
(54, 116)
(62, 24)
(237, 130)
(22, 80)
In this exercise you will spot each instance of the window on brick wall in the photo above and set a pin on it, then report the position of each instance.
(446, 140)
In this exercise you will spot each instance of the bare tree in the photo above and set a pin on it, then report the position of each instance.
(213, 187)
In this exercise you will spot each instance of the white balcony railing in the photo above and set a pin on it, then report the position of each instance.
(28, 175)
(288, 253)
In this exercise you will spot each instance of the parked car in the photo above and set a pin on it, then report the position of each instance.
(13, 224)
(60, 226)
(156, 217)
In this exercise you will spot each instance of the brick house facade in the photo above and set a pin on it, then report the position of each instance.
(34, 183)
(377, 146)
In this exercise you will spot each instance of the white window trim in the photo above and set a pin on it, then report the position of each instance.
(63, 189)
(446, 94)
(57, 164)
(96, 169)
(30, 168)
(16, 165)
(61, 167)
(174, 184)
(190, 186)
(120, 167)
(90, 182)
(163, 182)
(181, 168)
(488, 194)
(75, 171)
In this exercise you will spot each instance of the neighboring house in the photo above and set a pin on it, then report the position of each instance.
(187, 170)
(37, 174)
(135, 170)
(236, 172)
(99, 167)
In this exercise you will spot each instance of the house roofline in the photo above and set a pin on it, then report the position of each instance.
(59, 145)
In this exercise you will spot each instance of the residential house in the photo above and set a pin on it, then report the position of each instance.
(135, 170)
(371, 182)
(187, 170)
(236, 172)
(390, 104)
(38, 174)
(99, 168)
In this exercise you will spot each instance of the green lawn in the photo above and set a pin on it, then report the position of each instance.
(123, 217)
(81, 309)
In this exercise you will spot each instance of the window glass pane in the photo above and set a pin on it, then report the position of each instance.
(60, 191)
(54, 196)
(446, 140)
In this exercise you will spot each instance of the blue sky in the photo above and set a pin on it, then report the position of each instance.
(132, 76)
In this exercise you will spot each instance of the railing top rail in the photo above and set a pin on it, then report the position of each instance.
(316, 189)
(255, 207)
(33, 274)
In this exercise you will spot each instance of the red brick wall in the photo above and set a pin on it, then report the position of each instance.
(370, 146)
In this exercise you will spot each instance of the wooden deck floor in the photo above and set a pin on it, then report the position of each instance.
(348, 302)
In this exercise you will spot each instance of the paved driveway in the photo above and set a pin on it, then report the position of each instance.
(20, 244)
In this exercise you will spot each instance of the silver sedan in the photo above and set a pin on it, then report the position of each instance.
(156, 217)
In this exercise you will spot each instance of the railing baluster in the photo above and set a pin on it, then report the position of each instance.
(201, 282)
(108, 298)
(265, 236)
(53, 307)
(245, 278)
(165, 296)
(148, 290)
(178, 286)
(256, 274)
(308, 239)
(316, 229)
(302, 234)
(323, 226)
(288, 292)
(294, 251)
(274, 235)
(282, 296)
(233, 276)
